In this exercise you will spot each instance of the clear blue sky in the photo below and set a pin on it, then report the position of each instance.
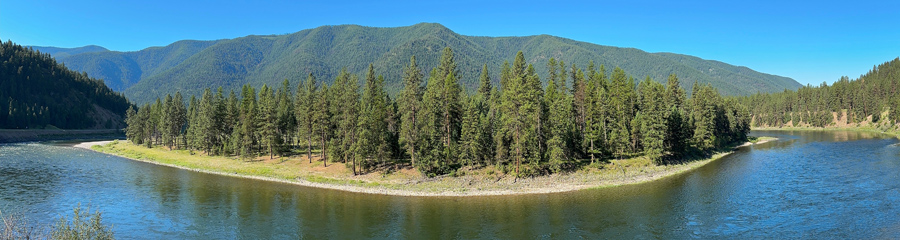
(810, 41)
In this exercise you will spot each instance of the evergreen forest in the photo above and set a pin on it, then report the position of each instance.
(191, 66)
(38, 92)
(870, 100)
(577, 116)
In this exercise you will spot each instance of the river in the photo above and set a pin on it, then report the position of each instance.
(807, 184)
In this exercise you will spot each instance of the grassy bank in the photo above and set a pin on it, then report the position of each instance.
(868, 129)
(407, 181)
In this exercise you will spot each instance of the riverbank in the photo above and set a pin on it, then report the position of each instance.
(32, 135)
(894, 133)
(486, 181)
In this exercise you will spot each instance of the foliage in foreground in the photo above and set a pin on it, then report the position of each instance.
(83, 226)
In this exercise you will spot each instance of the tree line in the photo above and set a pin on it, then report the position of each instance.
(36, 91)
(580, 116)
(873, 98)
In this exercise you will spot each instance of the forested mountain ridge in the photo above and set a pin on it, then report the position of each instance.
(121, 70)
(190, 66)
(36, 92)
(60, 53)
(871, 100)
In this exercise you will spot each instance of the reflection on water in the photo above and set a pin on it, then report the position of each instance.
(805, 185)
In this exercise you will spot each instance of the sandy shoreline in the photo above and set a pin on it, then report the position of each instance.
(537, 185)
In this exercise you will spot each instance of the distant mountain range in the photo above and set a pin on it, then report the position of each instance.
(190, 66)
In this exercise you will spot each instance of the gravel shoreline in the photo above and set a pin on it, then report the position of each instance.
(556, 183)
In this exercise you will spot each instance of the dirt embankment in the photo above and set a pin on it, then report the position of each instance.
(30, 135)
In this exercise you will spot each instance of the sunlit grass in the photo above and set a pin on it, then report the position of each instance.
(481, 180)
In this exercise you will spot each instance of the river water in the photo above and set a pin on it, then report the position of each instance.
(805, 185)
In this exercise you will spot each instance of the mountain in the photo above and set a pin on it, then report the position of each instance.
(38, 92)
(191, 66)
(121, 70)
(65, 52)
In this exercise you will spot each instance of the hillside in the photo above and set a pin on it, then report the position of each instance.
(190, 66)
(868, 101)
(58, 53)
(37, 92)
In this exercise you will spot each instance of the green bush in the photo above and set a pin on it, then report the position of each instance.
(84, 225)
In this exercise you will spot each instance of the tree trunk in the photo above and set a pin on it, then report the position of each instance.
(518, 153)
(447, 125)
(592, 152)
(413, 144)
(324, 153)
(309, 147)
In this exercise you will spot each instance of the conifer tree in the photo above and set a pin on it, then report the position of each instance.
(286, 120)
(132, 123)
(410, 103)
(268, 120)
(442, 116)
(248, 121)
(677, 128)
(704, 110)
(345, 113)
(323, 121)
(559, 151)
(520, 106)
(144, 116)
(305, 110)
(372, 127)
(653, 124)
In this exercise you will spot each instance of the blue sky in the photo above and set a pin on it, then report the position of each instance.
(810, 41)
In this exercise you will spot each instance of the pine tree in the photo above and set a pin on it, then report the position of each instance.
(155, 121)
(134, 129)
(677, 128)
(145, 118)
(345, 113)
(232, 123)
(167, 121)
(371, 126)
(192, 134)
(560, 114)
(207, 122)
(248, 121)
(268, 120)
(653, 124)
(323, 121)
(597, 120)
(410, 103)
(442, 116)
(305, 110)
(471, 141)
(521, 103)
(286, 120)
(704, 110)
(485, 83)
(452, 105)
(502, 136)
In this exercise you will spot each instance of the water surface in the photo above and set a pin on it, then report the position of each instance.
(805, 185)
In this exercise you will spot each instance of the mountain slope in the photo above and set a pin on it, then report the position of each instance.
(325, 50)
(36, 92)
(65, 52)
(120, 70)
